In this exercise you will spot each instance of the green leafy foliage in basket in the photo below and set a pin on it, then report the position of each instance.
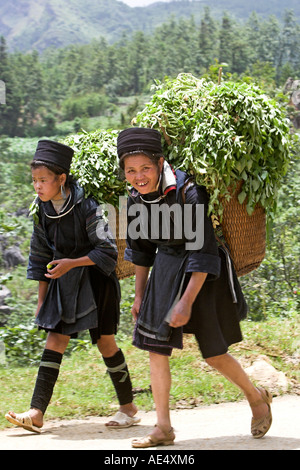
(223, 134)
(95, 165)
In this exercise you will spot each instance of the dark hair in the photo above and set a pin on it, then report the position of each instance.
(57, 170)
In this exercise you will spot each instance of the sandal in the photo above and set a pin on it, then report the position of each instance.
(153, 441)
(260, 426)
(24, 421)
(123, 421)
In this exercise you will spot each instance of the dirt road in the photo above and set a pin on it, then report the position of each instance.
(215, 427)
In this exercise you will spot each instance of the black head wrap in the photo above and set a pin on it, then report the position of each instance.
(138, 138)
(58, 154)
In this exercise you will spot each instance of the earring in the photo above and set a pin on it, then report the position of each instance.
(63, 192)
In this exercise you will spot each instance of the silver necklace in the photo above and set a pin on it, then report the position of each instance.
(64, 213)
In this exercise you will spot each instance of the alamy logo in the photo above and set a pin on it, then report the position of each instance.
(2, 92)
(154, 222)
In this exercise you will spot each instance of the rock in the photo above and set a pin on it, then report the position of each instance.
(5, 311)
(292, 87)
(13, 257)
(295, 99)
(267, 376)
(4, 293)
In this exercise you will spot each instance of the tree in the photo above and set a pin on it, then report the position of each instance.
(137, 62)
(268, 49)
(10, 111)
(241, 51)
(208, 40)
(226, 37)
(290, 42)
(98, 67)
(234, 47)
(253, 33)
(31, 86)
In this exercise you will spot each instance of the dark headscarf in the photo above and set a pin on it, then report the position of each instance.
(139, 139)
(55, 153)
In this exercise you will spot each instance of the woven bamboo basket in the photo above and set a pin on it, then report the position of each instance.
(245, 235)
(124, 268)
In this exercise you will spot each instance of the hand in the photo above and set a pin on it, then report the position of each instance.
(181, 314)
(60, 267)
(135, 310)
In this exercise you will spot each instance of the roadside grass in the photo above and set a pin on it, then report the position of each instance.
(84, 388)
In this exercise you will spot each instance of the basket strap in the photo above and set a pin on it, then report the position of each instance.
(230, 273)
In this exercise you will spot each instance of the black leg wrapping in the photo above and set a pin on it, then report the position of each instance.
(46, 379)
(118, 371)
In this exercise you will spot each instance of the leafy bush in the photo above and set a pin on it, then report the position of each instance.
(23, 344)
(92, 104)
(273, 289)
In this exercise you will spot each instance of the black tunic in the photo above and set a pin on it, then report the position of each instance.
(220, 304)
(85, 297)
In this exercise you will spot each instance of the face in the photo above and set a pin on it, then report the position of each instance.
(142, 173)
(47, 184)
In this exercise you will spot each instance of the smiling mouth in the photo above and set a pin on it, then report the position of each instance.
(141, 184)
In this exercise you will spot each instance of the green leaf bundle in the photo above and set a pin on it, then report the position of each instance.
(95, 165)
(222, 134)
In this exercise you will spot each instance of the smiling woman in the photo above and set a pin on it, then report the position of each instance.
(190, 290)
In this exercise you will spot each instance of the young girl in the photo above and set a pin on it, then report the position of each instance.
(78, 287)
(192, 288)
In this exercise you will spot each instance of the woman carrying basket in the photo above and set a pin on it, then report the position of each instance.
(192, 288)
(73, 257)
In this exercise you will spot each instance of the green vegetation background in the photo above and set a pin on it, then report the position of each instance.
(54, 91)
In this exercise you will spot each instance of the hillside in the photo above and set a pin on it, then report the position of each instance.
(38, 24)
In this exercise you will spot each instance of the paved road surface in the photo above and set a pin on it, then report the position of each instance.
(215, 427)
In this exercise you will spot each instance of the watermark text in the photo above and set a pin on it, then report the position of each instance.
(153, 222)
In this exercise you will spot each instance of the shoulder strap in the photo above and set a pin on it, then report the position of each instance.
(184, 189)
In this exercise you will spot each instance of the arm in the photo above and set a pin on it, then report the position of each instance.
(62, 266)
(43, 288)
(141, 277)
(39, 256)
